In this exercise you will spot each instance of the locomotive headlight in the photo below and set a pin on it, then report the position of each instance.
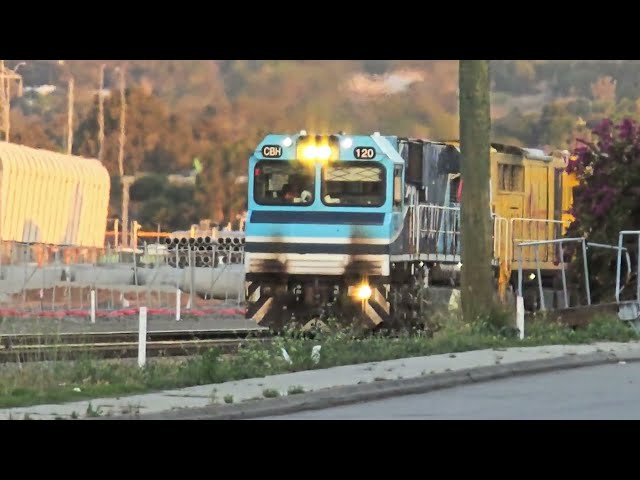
(287, 142)
(323, 152)
(309, 152)
(363, 292)
(318, 147)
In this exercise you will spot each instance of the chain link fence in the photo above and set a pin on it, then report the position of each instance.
(203, 274)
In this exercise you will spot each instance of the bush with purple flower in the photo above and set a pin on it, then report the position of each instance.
(606, 201)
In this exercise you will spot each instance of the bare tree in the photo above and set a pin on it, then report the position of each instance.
(70, 119)
(101, 115)
(126, 182)
(123, 109)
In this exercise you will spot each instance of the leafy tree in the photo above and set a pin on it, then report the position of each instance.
(218, 190)
(155, 202)
(217, 110)
(516, 126)
(148, 187)
(517, 77)
(606, 201)
(555, 126)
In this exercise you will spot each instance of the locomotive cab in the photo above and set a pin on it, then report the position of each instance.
(323, 210)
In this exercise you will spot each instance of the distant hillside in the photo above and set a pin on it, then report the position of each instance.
(216, 110)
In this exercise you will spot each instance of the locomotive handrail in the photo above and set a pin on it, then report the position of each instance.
(526, 242)
(436, 230)
(500, 228)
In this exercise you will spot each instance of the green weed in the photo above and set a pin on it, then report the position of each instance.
(61, 381)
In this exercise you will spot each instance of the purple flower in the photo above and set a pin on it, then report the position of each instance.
(626, 129)
(603, 129)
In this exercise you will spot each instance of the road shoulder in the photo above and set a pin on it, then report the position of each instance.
(323, 388)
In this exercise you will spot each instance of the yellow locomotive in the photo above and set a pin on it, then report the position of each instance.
(531, 194)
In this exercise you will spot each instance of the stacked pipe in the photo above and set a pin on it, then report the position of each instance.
(205, 251)
(230, 248)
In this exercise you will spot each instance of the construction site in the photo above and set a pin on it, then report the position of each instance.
(61, 255)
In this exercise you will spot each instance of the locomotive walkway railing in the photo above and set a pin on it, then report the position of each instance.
(435, 229)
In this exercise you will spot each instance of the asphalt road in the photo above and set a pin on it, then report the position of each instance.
(603, 392)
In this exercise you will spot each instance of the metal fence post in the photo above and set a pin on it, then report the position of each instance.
(638, 272)
(586, 271)
(520, 269)
(564, 276)
(535, 256)
(192, 273)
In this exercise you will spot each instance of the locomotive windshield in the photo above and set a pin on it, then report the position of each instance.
(359, 185)
(283, 183)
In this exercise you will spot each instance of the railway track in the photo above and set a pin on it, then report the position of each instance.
(70, 346)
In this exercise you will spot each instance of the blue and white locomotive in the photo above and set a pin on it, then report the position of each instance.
(348, 224)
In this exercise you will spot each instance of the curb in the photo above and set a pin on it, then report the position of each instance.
(350, 394)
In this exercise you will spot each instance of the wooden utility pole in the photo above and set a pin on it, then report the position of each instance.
(70, 119)
(101, 115)
(478, 291)
(125, 184)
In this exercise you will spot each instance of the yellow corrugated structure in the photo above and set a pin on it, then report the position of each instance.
(52, 198)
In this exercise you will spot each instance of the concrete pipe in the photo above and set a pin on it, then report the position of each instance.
(115, 274)
(207, 240)
(156, 277)
(184, 241)
(224, 282)
(235, 240)
(14, 277)
(220, 240)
